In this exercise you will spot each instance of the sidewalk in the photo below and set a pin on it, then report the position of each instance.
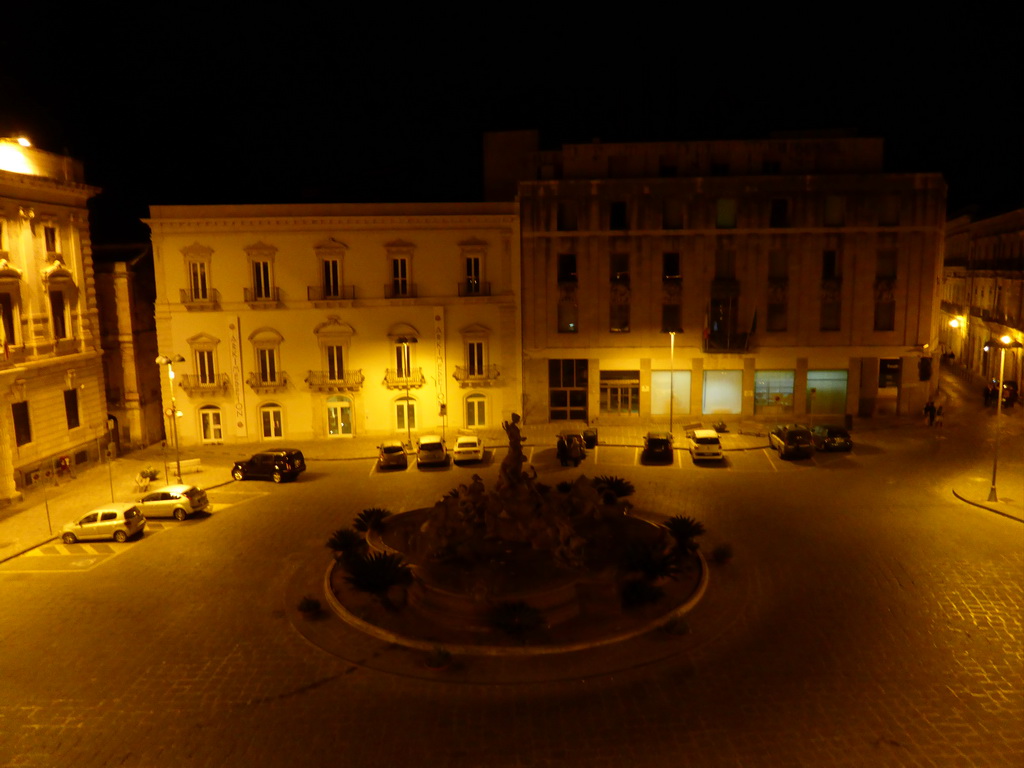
(43, 512)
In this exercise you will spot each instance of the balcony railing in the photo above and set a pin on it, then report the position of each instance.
(194, 384)
(400, 291)
(474, 288)
(260, 385)
(320, 293)
(726, 342)
(323, 381)
(477, 378)
(394, 380)
(200, 303)
(270, 297)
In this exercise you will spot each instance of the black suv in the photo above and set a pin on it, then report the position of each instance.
(277, 465)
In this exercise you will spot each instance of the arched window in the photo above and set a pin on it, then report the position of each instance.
(476, 411)
(210, 428)
(271, 420)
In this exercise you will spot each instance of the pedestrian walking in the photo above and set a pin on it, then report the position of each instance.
(938, 416)
(562, 450)
(929, 412)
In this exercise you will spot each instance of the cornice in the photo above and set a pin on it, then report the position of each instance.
(333, 224)
(22, 186)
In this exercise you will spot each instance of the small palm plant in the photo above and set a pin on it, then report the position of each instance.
(684, 530)
(371, 519)
(378, 573)
(618, 486)
(345, 540)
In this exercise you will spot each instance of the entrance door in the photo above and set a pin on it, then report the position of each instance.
(339, 416)
(270, 421)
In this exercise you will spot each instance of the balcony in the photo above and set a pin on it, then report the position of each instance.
(485, 378)
(400, 291)
(322, 381)
(393, 379)
(194, 384)
(726, 342)
(474, 288)
(263, 386)
(322, 296)
(200, 303)
(266, 299)
(725, 288)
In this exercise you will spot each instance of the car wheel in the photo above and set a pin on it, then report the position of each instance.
(238, 474)
(120, 537)
(180, 514)
(69, 538)
(276, 477)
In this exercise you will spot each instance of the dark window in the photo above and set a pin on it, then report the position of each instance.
(777, 317)
(885, 267)
(71, 407)
(835, 211)
(568, 221)
(7, 316)
(671, 318)
(568, 315)
(620, 268)
(567, 268)
(778, 265)
(671, 214)
(670, 267)
(885, 315)
(332, 278)
(567, 389)
(618, 217)
(829, 265)
(22, 425)
(725, 213)
(830, 315)
(50, 236)
(60, 328)
(719, 169)
(725, 265)
(889, 211)
(780, 213)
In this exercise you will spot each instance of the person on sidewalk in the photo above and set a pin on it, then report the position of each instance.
(929, 412)
(938, 416)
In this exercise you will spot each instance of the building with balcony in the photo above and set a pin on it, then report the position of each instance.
(327, 321)
(53, 413)
(983, 292)
(784, 278)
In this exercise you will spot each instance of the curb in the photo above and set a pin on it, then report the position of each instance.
(986, 508)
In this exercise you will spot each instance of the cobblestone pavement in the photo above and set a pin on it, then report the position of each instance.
(868, 618)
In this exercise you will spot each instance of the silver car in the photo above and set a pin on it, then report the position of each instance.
(177, 501)
(114, 521)
(430, 449)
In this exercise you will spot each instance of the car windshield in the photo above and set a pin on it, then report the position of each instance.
(470, 443)
(706, 440)
(430, 446)
(657, 442)
(838, 433)
(392, 449)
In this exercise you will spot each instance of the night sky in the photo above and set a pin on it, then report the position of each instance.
(330, 108)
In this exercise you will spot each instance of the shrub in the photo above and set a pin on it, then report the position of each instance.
(515, 618)
(370, 519)
(639, 592)
(345, 540)
(377, 573)
(684, 530)
(618, 486)
(649, 560)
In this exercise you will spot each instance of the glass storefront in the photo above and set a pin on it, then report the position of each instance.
(773, 392)
(665, 382)
(723, 392)
(826, 391)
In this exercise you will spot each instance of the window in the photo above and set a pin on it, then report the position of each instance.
(205, 370)
(830, 313)
(403, 359)
(885, 315)
(725, 214)
(567, 268)
(773, 392)
(339, 416)
(197, 281)
(620, 393)
(618, 215)
(568, 220)
(400, 276)
(210, 424)
(777, 317)
(50, 238)
(58, 314)
(771, 167)
(670, 267)
(332, 278)
(405, 413)
(835, 211)
(885, 265)
(567, 389)
(335, 362)
(672, 214)
(473, 284)
(475, 358)
(779, 213)
(476, 411)
(270, 420)
(22, 424)
(725, 265)
(568, 315)
(7, 324)
(619, 279)
(71, 408)
(826, 391)
(262, 279)
(830, 265)
(778, 265)
(889, 211)
(266, 361)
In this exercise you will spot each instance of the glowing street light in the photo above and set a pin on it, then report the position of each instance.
(169, 362)
(671, 378)
(1003, 342)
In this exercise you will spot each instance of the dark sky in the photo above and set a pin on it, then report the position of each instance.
(295, 108)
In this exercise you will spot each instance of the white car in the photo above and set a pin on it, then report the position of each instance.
(177, 501)
(468, 448)
(705, 445)
(430, 449)
(114, 521)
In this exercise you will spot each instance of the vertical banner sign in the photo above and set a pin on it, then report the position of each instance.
(236, 378)
(439, 365)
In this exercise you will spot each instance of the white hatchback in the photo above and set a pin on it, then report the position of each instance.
(705, 445)
(177, 501)
(468, 448)
(430, 449)
(114, 521)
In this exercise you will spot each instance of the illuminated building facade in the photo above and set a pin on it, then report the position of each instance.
(53, 413)
(983, 292)
(790, 279)
(330, 321)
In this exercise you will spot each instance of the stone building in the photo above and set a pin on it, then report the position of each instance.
(287, 322)
(53, 414)
(983, 292)
(672, 282)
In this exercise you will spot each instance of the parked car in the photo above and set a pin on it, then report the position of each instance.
(831, 438)
(658, 447)
(112, 521)
(295, 455)
(468, 448)
(791, 440)
(430, 449)
(705, 445)
(391, 455)
(571, 447)
(177, 501)
(268, 465)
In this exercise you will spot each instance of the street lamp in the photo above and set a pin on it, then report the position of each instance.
(1004, 343)
(671, 378)
(405, 341)
(169, 362)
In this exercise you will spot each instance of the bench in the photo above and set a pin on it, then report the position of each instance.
(187, 466)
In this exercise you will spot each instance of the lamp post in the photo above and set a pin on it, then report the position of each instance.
(169, 362)
(1004, 343)
(405, 341)
(671, 378)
